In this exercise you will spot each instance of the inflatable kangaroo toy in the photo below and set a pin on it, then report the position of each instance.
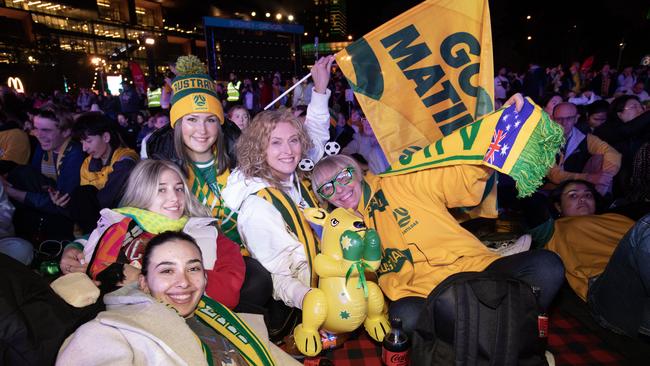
(344, 299)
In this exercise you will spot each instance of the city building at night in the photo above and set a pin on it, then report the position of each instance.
(251, 48)
(51, 45)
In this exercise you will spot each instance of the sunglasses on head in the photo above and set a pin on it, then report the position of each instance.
(343, 178)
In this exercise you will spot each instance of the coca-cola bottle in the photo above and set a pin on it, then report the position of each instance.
(395, 349)
(542, 319)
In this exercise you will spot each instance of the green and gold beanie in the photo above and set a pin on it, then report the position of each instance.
(194, 90)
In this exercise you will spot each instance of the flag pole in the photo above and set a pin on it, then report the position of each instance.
(287, 91)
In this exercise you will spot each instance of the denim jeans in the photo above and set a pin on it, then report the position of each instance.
(619, 298)
(18, 249)
(541, 268)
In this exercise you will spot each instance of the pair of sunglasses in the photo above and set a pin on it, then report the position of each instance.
(343, 178)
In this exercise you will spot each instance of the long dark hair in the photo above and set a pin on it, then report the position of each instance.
(556, 195)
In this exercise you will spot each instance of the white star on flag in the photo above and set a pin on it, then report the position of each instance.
(517, 123)
(508, 128)
(504, 149)
(505, 117)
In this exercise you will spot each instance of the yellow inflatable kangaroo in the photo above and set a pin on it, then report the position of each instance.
(344, 299)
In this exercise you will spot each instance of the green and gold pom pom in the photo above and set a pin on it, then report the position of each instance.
(188, 65)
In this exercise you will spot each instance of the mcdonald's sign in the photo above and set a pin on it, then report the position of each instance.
(16, 83)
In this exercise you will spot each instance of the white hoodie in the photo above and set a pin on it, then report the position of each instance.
(135, 329)
(261, 225)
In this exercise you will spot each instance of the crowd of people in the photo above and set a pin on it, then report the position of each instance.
(196, 202)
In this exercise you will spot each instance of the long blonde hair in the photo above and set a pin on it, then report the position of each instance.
(142, 186)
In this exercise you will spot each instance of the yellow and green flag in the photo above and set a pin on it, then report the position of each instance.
(521, 144)
(424, 74)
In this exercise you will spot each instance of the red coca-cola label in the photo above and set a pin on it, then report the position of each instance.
(395, 358)
(542, 326)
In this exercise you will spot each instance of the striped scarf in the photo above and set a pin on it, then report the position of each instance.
(230, 326)
(124, 242)
(211, 198)
(522, 145)
(51, 163)
(295, 221)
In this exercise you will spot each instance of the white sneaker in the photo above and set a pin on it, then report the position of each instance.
(510, 247)
(549, 357)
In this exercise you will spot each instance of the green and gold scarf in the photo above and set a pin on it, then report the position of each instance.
(230, 326)
(295, 221)
(522, 145)
(211, 198)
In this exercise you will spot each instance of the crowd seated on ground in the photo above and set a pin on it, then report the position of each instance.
(214, 207)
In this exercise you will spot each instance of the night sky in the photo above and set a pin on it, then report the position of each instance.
(561, 31)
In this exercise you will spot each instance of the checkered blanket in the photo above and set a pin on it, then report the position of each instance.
(569, 341)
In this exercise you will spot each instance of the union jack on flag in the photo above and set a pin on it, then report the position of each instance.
(495, 146)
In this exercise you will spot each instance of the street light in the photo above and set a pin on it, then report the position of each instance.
(278, 16)
(253, 13)
(528, 17)
(529, 38)
(349, 37)
(290, 17)
(150, 42)
(99, 66)
(267, 14)
(621, 46)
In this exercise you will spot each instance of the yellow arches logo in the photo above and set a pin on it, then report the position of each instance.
(16, 83)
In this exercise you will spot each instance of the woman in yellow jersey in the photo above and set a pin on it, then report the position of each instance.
(606, 257)
(422, 243)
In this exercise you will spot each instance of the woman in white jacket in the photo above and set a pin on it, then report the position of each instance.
(164, 318)
(269, 196)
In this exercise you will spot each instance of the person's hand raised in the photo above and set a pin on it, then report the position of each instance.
(320, 73)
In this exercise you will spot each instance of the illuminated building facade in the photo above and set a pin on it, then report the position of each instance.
(252, 48)
(44, 40)
(327, 20)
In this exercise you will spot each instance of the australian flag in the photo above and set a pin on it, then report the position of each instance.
(506, 132)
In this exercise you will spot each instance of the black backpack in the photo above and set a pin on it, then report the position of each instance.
(479, 318)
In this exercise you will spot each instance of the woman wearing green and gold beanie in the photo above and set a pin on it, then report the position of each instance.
(196, 117)
(199, 141)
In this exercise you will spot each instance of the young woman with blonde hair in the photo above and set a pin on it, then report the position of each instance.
(156, 200)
